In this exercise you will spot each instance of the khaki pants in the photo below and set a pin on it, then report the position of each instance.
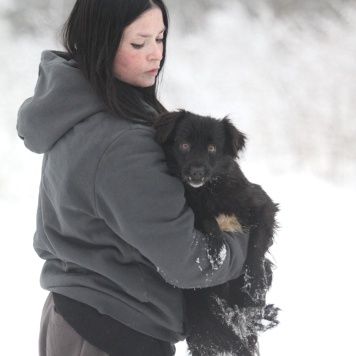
(58, 338)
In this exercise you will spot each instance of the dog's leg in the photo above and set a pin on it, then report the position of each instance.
(261, 220)
(216, 249)
(258, 269)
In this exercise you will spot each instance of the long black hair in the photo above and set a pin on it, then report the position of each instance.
(92, 35)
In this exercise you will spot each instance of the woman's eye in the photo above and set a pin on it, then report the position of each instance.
(185, 146)
(159, 40)
(136, 45)
(212, 149)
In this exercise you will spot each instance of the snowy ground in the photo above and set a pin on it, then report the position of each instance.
(314, 249)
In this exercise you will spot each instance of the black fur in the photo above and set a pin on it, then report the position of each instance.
(202, 152)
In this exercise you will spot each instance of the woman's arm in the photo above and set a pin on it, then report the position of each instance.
(146, 207)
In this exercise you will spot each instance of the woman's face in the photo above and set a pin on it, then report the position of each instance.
(141, 49)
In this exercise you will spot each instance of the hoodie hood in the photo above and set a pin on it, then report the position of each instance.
(63, 97)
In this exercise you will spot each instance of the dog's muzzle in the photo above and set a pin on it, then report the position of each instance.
(197, 175)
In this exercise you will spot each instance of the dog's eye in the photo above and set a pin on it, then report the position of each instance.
(212, 149)
(185, 146)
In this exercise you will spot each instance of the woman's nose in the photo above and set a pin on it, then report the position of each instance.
(156, 53)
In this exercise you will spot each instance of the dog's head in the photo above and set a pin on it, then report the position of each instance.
(198, 148)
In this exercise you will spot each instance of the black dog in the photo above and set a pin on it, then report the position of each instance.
(202, 152)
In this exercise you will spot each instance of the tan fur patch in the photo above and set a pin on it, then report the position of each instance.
(229, 223)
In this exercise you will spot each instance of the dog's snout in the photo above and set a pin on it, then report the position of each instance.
(197, 173)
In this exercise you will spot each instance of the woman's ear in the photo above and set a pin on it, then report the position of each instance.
(165, 123)
(235, 139)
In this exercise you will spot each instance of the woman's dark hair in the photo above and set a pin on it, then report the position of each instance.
(92, 35)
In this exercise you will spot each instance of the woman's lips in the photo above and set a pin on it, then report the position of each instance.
(153, 72)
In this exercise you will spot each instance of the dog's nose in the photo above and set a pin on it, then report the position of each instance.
(197, 173)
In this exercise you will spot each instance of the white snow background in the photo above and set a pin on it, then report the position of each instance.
(290, 86)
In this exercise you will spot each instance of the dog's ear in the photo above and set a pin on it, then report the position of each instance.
(235, 139)
(165, 123)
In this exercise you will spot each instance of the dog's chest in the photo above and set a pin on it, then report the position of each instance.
(212, 200)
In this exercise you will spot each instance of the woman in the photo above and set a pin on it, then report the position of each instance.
(113, 226)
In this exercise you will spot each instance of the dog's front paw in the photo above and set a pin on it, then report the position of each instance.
(217, 255)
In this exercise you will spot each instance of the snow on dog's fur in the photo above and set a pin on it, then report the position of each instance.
(202, 152)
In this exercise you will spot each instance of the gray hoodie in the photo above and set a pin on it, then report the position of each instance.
(112, 225)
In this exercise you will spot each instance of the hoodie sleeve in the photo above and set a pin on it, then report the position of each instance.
(146, 207)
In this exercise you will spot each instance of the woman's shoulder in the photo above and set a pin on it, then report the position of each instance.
(115, 126)
(106, 131)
